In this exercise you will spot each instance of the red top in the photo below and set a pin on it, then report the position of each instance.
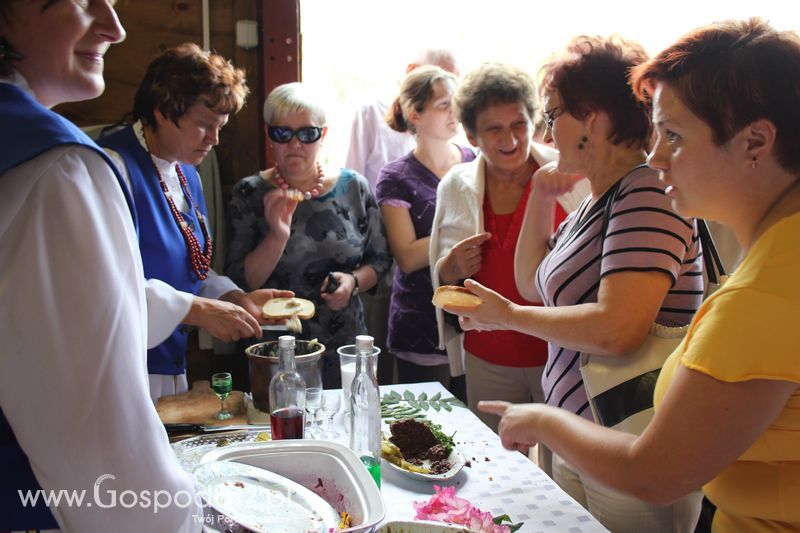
(505, 347)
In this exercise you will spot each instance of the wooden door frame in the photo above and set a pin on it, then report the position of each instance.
(279, 58)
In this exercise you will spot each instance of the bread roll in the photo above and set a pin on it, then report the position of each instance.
(280, 308)
(455, 296)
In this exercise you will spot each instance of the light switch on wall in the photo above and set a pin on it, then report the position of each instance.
(246, 33)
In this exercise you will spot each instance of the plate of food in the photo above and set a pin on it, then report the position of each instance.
(419, 449)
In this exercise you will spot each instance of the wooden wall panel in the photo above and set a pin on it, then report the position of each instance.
(152, 27)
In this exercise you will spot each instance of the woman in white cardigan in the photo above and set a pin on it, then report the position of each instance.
(479, 210)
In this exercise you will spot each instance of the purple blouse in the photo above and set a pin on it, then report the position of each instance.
(408, 183)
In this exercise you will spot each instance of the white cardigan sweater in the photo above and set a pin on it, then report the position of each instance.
(459, 214)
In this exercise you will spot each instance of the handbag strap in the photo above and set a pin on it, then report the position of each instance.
(714, 267)
(611, 198)
(711, 258)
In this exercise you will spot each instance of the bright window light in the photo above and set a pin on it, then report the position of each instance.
(356, 51)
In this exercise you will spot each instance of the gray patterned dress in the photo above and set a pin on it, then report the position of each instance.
(339, 231)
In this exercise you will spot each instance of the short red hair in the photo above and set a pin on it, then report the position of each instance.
(592, 75)
(731, 74)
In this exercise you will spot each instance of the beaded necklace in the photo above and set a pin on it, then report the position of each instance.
(313, 193)
(201, 260)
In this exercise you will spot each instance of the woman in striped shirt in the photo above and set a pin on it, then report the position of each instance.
(601, 291)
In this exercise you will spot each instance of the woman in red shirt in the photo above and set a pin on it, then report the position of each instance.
(479, 212)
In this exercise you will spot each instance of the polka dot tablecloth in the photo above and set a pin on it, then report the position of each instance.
(497, 480)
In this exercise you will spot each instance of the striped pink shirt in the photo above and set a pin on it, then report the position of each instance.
(644, 235)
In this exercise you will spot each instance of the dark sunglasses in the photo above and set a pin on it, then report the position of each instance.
(284, 134)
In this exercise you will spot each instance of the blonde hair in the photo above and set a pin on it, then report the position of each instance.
(290, 98)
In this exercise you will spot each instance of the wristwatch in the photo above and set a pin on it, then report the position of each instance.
(355, 288)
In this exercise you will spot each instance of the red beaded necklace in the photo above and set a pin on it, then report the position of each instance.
(201, 260)
(308, 195)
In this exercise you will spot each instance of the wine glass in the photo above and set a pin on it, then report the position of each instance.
(222, 384)
(331, 401)
(313, 404)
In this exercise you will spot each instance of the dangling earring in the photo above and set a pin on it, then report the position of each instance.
(583, 142)
(754, 164)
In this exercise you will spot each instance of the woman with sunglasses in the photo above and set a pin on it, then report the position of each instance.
(183, 101)
(315, 231)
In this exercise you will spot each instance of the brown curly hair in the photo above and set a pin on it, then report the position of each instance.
(490, 84)
(591, 74)
(184, 75)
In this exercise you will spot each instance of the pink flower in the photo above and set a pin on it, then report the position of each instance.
(445, 506)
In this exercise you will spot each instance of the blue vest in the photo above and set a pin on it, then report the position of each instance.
(164, 252)
(27, 130)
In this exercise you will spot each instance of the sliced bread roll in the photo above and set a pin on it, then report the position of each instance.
(455, 296)
(280, 308)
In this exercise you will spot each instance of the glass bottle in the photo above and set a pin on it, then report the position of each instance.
(365, 410)
(287, 395)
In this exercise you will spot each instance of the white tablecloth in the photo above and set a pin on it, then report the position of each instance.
(499, 481)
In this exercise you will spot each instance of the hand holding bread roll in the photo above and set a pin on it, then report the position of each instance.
(478, 308)
(455, 296)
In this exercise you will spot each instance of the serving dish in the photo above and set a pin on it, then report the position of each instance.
(328, 469)
(455, 458)
(253, 499)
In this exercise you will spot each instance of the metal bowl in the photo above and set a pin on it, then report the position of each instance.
(262, 360)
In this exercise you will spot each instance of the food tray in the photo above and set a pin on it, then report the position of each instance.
(329, 469)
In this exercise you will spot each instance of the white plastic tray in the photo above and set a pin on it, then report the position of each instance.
(327, 468)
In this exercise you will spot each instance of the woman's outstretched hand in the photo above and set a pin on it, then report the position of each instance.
(518, 422)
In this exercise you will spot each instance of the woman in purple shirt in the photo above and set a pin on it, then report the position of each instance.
(406, 192)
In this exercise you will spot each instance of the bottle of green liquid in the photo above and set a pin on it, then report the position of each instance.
(365, 410)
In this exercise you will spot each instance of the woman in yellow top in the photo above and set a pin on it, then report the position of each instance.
(726, 107)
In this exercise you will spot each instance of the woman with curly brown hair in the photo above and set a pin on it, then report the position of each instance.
(476, 227)
(182, 103)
